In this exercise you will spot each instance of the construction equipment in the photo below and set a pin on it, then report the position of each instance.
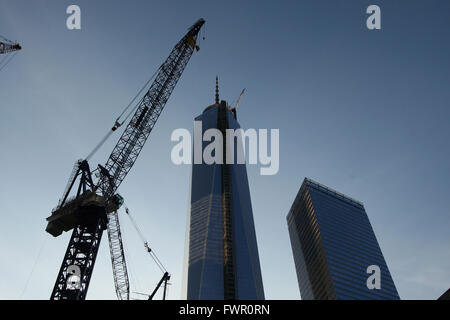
(6, 48)
(239, 99)
(166, 276)
(234, 110)
(94, 206)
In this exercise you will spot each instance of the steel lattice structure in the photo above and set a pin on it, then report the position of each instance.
(118, 262)
(6, 47)
(83, 253)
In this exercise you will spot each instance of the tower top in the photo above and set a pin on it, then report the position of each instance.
(218, 103)
(217, 90)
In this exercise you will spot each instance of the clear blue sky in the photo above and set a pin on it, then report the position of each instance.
(364, 112)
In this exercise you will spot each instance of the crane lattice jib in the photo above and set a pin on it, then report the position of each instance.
(132, 141)
(147, 113)
(9, 47)
(119, 266)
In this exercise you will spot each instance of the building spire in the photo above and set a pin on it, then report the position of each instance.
(217, 90)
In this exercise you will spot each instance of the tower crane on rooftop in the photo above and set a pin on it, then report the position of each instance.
(94, 206)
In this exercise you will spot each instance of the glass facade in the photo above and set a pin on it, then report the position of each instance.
(333, 245)
(223, 261)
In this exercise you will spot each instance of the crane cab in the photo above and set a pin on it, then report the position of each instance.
(86, 209)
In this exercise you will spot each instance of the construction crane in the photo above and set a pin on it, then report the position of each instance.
(239, 99)
(6, 48)
(94, 206)
(234, 110)
(166, 276)
(236, 105)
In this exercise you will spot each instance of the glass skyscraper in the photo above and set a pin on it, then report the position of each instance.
(223, 260)
(333, 245)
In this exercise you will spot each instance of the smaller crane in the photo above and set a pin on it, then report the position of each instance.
(166, 276)
(239, 99)
(6, 47)
(233, 110)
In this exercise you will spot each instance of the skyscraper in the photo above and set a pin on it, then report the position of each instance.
(223, 260)
(334, 245)
(445, 295)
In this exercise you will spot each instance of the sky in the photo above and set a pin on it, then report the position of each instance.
(362, 111)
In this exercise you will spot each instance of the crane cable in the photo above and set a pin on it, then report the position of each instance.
(7, 40)
(8, 60)
(147, 247)
(33, 269)
(7, 57)
(118, 123)
(135, 97)
(4, 58)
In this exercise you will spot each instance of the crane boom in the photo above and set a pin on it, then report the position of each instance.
(239, 99)
(85, 240)
(147, 113)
